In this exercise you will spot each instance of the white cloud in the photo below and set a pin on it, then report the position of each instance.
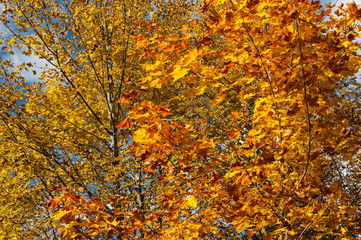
(38, 65)
(338, 2)
(19, 58)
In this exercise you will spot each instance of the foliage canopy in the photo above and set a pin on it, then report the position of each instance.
(218, 119)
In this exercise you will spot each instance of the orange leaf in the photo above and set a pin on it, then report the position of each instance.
(126, 202)
(61, 214)
(164, 111)
(53, 203)
(227, 67)
(127, 123)
(127, 96)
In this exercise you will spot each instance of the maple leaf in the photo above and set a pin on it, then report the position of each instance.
(227, 67)
(190, 57)
(164, 111)
(141, 135)
(249, 111)
(191, 202)
(179, 73)
(61, 214)
(127, 123)
(142, 155)
(53, 203)
(128, 96)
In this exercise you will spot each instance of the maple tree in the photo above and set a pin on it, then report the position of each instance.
(220, 119)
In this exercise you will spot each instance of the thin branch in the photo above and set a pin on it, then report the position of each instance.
(269, 79)
(307, 105)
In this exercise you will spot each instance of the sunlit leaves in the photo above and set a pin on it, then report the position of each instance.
(183, 120)
(281, 66)
(127, 123)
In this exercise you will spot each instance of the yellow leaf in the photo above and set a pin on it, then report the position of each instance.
(231, 174)
(241, 224)
(190, 57)
(61, 214)
(156, 83)
(140, 135)
(179, 73)
(192, 202)
(220, 98)
(201, 90)
(115, 222)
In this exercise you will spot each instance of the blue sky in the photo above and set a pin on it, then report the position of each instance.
(19, 58)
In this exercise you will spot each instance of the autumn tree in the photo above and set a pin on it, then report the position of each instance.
(271, 88)
(59, 135)
(222, 119)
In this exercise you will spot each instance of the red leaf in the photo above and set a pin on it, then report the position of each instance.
(127, 96)
(142, 155)
(227, 67)
(127, 123)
